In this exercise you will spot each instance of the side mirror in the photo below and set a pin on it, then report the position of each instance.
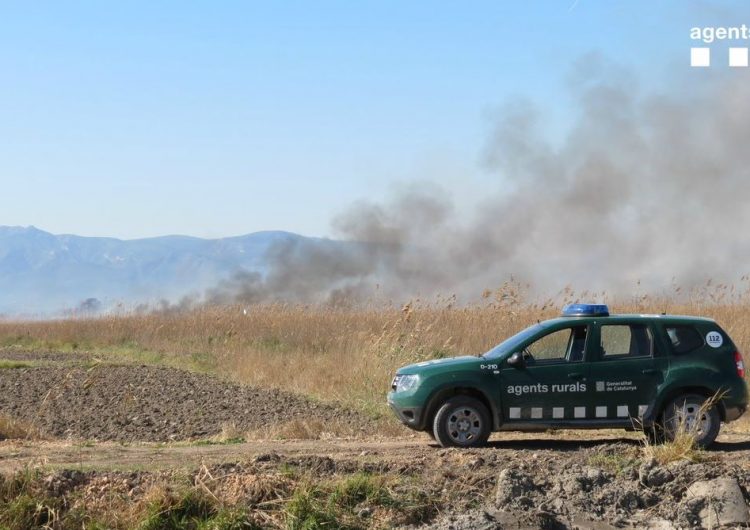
(516, 360)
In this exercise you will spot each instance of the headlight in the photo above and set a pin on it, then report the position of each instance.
(402, 383)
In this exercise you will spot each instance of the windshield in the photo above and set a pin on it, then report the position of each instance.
(512, 344)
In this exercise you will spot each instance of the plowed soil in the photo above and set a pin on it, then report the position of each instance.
(148, 403)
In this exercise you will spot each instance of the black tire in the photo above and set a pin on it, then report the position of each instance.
(682, 413)
(462, 421)
(654, 434)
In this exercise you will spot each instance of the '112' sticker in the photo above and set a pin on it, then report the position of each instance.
(714, 339)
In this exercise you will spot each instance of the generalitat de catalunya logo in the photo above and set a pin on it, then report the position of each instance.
(700, 56)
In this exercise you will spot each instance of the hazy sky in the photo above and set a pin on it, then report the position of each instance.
(133, 119)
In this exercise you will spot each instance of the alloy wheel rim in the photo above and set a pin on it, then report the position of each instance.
(690, 418)
(464, 425)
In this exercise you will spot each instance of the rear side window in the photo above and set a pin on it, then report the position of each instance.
(631, 340)
(684, 339)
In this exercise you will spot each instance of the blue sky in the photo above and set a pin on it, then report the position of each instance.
(137, 119)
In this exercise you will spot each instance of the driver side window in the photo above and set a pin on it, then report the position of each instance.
(561, 345)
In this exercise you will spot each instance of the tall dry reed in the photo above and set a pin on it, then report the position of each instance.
(342, 354)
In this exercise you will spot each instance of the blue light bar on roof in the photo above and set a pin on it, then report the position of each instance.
(585, 310)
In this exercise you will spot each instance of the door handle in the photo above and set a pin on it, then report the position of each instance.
(650, 371)
(575, 375)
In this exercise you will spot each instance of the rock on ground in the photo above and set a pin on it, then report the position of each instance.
(718, 503)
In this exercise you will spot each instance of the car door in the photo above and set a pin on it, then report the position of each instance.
(550, 386)
(625, 370)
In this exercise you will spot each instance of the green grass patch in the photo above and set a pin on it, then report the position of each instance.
(614, 463)
(29, 343)
(124, 351)
(7, 364)
(228, 441)
(362, 487)
(183, 512)
(25, 342)
(229, 519)
(308, 510)
(351, 502)
(356, 502)
(25, 512)
(22, 507)
(131, 352)
(193, 510)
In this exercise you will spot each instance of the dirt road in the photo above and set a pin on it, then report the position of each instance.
(15, 455)
(518, 481)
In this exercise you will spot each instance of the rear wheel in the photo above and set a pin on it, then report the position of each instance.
(462, 421)
(654, 434)
(690, 414)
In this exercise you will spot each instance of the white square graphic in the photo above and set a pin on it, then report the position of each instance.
(558, 413)
(738, 57)
(536, 413)
(600, 386)
(700, 57)
(642, 410)
(514, 413)
(579, 412)
(601, 412)
(622, 411)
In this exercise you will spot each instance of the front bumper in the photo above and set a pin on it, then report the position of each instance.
(409, 416)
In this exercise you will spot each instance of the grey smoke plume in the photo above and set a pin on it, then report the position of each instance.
(644, 187)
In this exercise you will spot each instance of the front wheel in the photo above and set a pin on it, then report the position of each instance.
(462, 421)
(691, 414)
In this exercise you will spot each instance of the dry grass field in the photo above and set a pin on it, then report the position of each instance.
(344, 354)
(286, 353)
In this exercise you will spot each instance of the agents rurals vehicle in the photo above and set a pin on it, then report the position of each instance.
(586, 369)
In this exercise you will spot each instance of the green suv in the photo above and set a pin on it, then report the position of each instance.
(586, 369)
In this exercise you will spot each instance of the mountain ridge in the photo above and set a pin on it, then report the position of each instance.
(43, 273)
